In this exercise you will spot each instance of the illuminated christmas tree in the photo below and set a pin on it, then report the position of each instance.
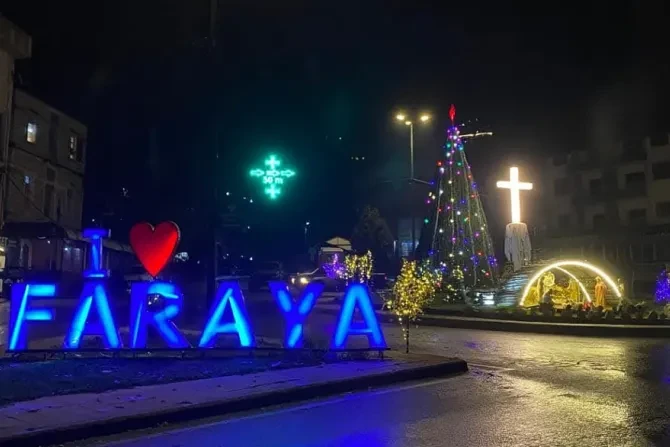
(460, 243)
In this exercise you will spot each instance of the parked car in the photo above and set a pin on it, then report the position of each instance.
(264, 272)
(300, 280)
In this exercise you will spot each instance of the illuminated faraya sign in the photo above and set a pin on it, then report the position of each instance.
(93, 315)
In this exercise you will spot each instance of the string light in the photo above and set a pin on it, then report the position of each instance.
(460, 239)
(663, 287)
(358, 267)
(413, 290)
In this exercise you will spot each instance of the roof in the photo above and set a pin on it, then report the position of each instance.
(339, 242)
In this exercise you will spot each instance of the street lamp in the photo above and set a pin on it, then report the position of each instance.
(424, 118)
(306, 228)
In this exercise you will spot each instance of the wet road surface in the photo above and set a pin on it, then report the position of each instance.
(522, 390)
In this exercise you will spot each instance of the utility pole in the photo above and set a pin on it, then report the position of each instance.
(213, 156)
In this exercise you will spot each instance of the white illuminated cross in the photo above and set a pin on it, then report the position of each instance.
(515, 186)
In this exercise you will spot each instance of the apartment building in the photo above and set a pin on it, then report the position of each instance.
(611, 207)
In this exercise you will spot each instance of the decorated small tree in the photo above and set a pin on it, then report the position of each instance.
(414, 289)
(358, 268)
(334, 268)
(663, 287)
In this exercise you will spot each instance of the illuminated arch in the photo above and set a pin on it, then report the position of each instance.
(610, 282)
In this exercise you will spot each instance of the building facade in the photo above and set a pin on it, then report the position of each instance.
(45, 190)
(48, 159)
(14, 44)
(611, 207)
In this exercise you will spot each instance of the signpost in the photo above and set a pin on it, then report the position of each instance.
(154, 246)
(273, 176)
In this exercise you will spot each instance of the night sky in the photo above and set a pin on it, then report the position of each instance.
(319, 82)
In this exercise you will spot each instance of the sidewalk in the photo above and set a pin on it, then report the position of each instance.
(539, 327)
(60, 419)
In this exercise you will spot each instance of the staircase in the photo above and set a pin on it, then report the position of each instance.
(510, 292)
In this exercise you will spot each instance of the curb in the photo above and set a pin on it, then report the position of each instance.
(536, 327)
(108, 427)
(585, 329)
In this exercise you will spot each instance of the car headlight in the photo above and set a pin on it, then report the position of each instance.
(292, 280)
(303, 280)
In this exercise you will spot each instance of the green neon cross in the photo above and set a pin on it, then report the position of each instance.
(273, 191)
(271, 176)
(272, 162)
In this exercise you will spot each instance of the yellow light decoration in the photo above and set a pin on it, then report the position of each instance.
(573, 263)
(413, 290)
(358, 267)
(514, 185)
(581, 286)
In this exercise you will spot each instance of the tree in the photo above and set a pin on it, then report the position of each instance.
(459, 233)
(414, 289)
(372, 233)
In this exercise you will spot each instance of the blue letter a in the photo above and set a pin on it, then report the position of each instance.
(94, 293)
(141, 316)
(228, 295)
(295, 314)
(357, 295)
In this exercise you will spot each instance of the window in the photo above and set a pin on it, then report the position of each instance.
(71, 259)
(31, 133)
(659, 139)
(564, 221)
(596, 186)
(637, 216)
(663, 209)
(560, 159)
(643, 287)
(634, 178)
(27, 188)
(561, 186)
(81, 142)
(48, 196)
(72, 146)
(663, 250)
(635, 183)
(647, 252)
(68, 202)
(59, 203)
(599, 221)
(633, 150)
(661, 171)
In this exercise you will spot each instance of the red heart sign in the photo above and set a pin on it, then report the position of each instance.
(154, 247)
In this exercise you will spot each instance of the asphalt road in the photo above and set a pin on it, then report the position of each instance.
(522, 390)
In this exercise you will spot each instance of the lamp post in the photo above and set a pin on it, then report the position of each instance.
(306, 228)
(424, 118)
